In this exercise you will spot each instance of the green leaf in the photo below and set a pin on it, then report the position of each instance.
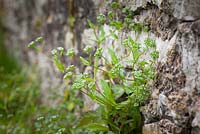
(100, 99)
(93, 121)
(107, 91)
(142, 63)
(106, 88)
(123, 104)
(91, 25)
(113, 56)
(102, 35)
(97, 126)
(85, 121)
(95, 40)
(84, 61)
(118, 91)
(116, 24)
(113, 34)
(59, 64)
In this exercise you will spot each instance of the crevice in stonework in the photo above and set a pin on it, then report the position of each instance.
(161, 23)
(168, 101)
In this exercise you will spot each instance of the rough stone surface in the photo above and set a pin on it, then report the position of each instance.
(26, 20)
(150, 128)
(185, 8)
(174, 105)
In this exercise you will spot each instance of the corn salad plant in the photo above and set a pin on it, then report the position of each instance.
(122, 89)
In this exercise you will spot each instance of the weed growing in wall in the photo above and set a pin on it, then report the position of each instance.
(119, 84)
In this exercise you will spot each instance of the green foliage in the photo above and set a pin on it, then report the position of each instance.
(70, 52)
(84, 61)
(20, 108)
(119, 95)
(34, 44)
(5, 59)
(18, 94)
(20, 112)
(119, 88)
(18, 97)
(62, 118)
(115, 5)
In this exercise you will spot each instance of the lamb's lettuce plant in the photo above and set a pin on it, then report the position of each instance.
(122, 84)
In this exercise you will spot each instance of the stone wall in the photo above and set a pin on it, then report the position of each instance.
(174, 24)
